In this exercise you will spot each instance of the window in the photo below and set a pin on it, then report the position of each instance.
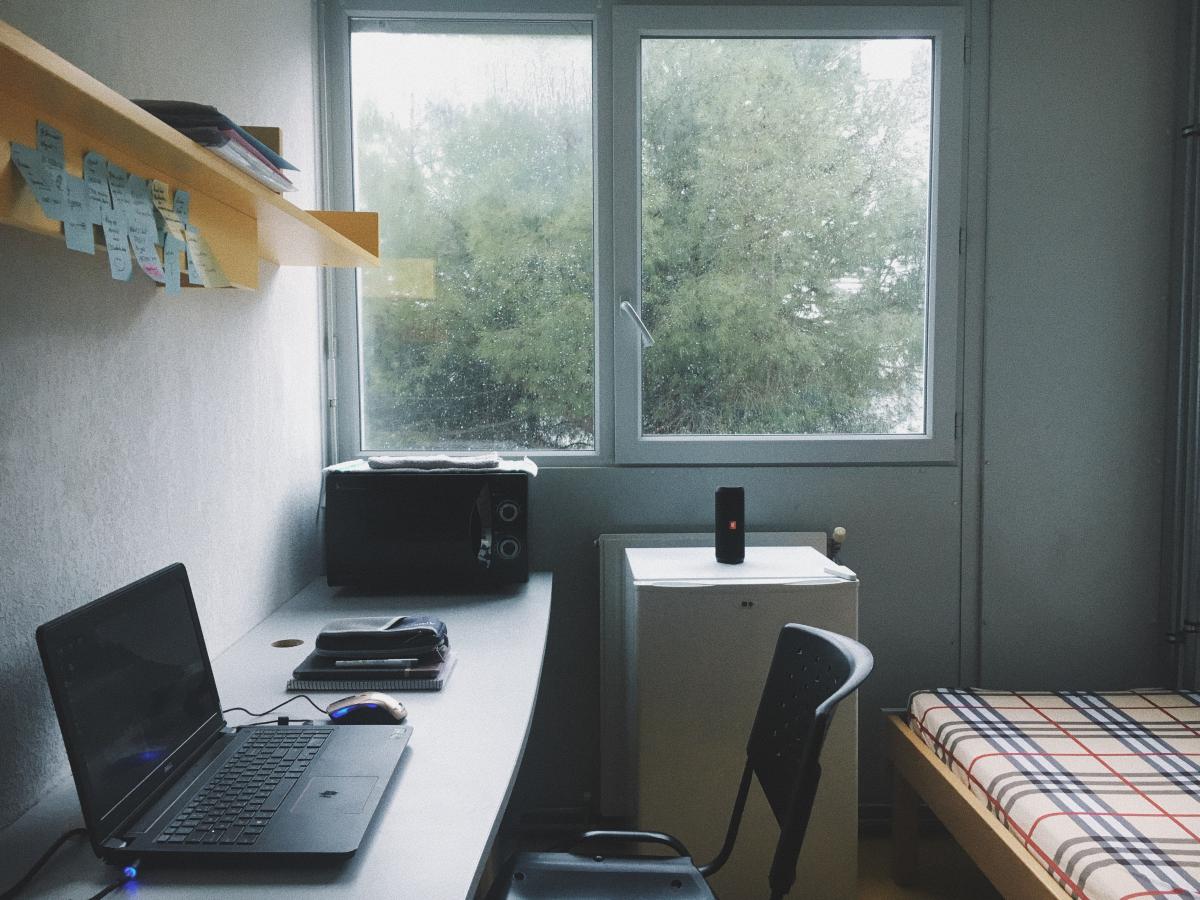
(474, 143)
(774, 280)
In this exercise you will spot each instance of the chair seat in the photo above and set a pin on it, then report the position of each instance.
(559, 876)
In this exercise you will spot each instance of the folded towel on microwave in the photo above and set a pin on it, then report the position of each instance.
(435, 461)
(444, 464)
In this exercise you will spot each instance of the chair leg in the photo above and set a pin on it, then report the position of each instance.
(905, 837)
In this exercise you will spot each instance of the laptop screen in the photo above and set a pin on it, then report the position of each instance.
(132, 684)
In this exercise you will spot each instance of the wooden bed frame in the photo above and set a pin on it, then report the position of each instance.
(920, 775)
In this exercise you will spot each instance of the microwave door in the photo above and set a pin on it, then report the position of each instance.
(481, 528)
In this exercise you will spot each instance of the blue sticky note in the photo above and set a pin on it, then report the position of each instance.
(143, 208)
(120, 262)
(172, 247)
(118, 185)
(50, 146)
(182, 205)
(95, 173)
(31, 165)
(77, 226)
(144, 250)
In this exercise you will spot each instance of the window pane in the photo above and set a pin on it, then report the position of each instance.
(785, 205)
(476, 150)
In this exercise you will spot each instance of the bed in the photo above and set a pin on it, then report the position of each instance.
(1066, 794)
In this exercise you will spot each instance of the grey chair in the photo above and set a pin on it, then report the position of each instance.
(811, 672)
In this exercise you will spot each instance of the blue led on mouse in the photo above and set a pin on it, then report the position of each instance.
(371, 708)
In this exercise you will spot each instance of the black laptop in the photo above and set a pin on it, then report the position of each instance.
(160, 774)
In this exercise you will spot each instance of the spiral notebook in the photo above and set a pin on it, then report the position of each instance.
(320, 673)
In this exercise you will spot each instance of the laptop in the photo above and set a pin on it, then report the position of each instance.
(160, 775)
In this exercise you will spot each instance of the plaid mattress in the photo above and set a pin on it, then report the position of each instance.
(1103, 789)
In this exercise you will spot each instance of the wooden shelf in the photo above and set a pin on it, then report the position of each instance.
(242, 220)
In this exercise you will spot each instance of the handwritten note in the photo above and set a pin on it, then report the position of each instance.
(172, 247)
(29, 163)
(143, 228)
(77, 226)
(143, 209)
(118, 185)
(120, 264)
(183, 202)
(50, 146)
(172, 222)
(145, 251)
(193, 273)
(199, 252)
(95, 173)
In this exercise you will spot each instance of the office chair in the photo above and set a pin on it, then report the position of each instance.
(811, 672)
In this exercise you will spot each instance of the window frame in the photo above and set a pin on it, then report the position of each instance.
(344, 356)
(617, 29)
(944, 26)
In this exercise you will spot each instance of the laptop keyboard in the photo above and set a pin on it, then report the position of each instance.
(239, 800)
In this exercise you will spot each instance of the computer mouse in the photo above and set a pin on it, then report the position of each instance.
(371, 708)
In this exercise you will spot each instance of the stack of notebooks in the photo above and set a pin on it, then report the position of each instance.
(324, 673)
(220, 134)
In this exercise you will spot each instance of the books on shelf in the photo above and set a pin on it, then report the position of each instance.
(210, 128)
(324, 673)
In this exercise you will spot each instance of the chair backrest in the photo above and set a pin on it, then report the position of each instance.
(811, 672)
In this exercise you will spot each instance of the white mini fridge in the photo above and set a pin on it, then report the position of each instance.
(700, 636)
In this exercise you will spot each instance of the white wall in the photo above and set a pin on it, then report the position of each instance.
(135, 429)
(1078, 248)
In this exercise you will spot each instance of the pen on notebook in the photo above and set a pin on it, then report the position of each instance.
(376, 663)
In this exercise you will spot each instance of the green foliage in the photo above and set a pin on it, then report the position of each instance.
(501, 354)
(783, 217)
(783, 254)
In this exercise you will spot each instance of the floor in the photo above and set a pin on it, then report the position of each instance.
(945, 872)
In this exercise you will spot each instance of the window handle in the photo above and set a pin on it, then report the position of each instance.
(627, 308)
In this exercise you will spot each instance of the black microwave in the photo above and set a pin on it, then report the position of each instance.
(400, 530)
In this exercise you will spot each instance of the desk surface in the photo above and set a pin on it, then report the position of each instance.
(432, 833)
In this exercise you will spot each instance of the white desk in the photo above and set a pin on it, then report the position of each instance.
(434, 829)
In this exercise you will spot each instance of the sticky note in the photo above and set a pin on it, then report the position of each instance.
(172, 222)
(29, 163)
(120, 264)
(172, 247)
(143, 208)
(211, 274)
(95, 173)
(183, 201)
(118, 185)
(194, 275)
(143, 228)
(77, 226)
(50, 146)
(144, 250)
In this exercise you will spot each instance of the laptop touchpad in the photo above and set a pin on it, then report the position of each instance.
(345, 795)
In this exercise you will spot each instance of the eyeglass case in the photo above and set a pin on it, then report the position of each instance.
(383, 637)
